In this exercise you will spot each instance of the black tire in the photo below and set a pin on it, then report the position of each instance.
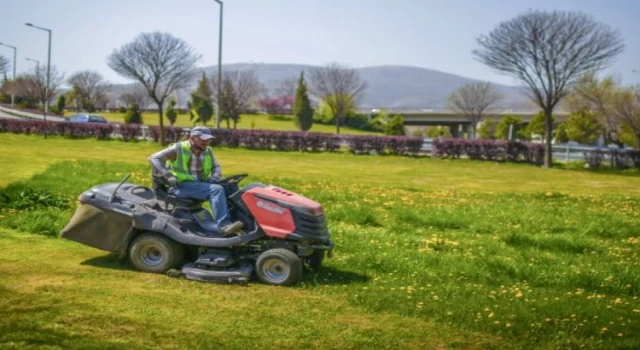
(151, 252)
(314, 261)
(279, 266)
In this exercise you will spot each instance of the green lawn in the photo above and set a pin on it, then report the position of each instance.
(430, 254)
(247, 121)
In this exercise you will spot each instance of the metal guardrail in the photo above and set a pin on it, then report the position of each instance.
(559, 152)
(29, 115)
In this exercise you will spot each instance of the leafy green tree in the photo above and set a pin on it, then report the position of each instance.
(133, 115)
(561, 133)
(171, 111)
(395, 126)
(508, 122)
(60, 105)
(487, 130)
(438, 131)
(302, 111)
(536, 126)
(201, 101)
(230, 105)
(584, 127)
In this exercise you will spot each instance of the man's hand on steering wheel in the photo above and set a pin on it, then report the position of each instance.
(172, 181)
(233, 179)
(213, 179)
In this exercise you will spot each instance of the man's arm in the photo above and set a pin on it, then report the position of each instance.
(216, 172)
(158, 160)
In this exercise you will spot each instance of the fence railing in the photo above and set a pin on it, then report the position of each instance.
(559, 152)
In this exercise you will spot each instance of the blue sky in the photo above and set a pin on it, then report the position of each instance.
(358, 33)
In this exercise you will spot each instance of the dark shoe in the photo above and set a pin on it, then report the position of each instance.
(231, 228)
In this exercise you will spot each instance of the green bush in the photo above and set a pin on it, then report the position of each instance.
(438, 131)
(487, 130)
(395, 126)
(505, 124)
(133, 115)
(280, 117)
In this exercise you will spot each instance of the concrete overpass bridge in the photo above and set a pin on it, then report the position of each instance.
(457, 123)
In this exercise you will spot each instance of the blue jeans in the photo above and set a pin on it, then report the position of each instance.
(205, 191)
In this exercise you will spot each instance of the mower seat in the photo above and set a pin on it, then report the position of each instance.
(161, 191)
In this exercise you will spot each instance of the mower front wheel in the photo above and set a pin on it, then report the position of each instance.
(279, 266)
(152, 252)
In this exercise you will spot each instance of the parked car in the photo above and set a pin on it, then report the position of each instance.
(88, 118)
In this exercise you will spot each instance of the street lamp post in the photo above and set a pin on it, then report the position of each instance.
(46, 102)
(15, 50)
(36, 61)
(219, 68)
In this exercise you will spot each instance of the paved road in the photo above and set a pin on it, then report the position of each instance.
(6, 116)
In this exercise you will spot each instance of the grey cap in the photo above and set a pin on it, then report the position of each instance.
(202, 132)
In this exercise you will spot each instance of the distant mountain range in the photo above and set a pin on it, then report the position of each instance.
(391, 87)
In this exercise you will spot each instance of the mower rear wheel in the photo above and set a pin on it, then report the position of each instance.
(152, 252)
(279, 266)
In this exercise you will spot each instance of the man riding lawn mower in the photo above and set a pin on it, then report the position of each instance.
(259, 228)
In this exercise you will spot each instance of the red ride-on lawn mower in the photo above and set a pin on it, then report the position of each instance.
(283, 232)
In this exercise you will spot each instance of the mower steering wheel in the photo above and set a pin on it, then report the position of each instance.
(233, 178)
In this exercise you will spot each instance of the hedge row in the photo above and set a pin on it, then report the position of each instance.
(495, 150)
(251, 139)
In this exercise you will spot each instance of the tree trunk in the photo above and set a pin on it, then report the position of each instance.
(160, 112)
(338, 124)
(548, 131)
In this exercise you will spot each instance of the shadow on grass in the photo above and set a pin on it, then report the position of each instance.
(327, 275)
(110, 261)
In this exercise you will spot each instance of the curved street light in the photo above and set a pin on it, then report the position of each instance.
(36, 61)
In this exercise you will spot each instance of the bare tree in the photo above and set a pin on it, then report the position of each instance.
(4, 65)
(135, 95)
(472, 100)
(625, 108)
(161, 62)
(286, 87)
(246, 87)
(40, 80)
(25, 87)
(338, 86)
(91, 89)
(548, 51)
(32, 87)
